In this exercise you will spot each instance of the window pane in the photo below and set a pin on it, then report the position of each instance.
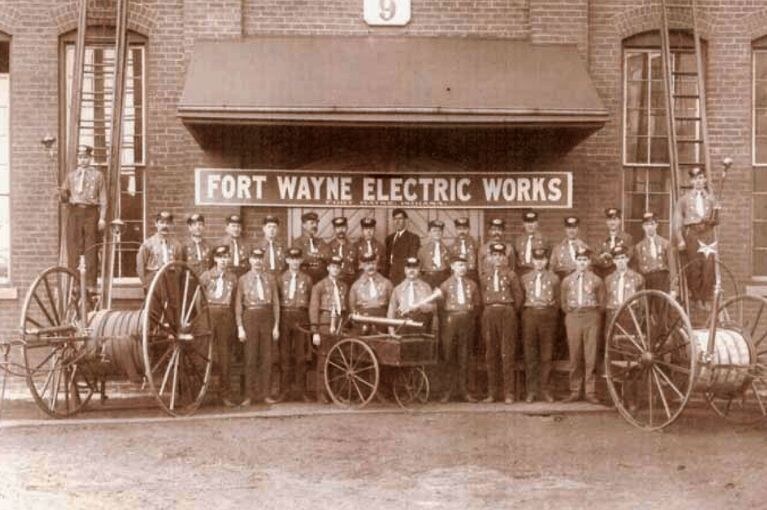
(760, 262)
(760, 234)
(636, 93)
(660, 205)
(659, 150)
(685, 62)
(761, 149)
(760, 207)
(658, 123)
(760, 95)
(5, 237)
(659, 180)
(760, 116)
(760, 180)
(636, 68)
(5, 56)
(760, 65)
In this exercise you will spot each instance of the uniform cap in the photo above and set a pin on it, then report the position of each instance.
(234, 218)
(335, 260)
(397, 212)
(368, 257)
(412, 262)
(257, 253)
(458, 258)
(294, 253)
(619, 250)
(368, 222)
(461, 222)
(270, 218)
(695, 171)
(571, 221)
(497, 223)
(649, 217)
(612, 212)
(163, 215)
(498, 248)
(194, 218)
(529, 216)
(221, 251)
(85, 148)
(437, 224)
(539, 253)
(309, 216)
(582, 252)
(339, 221)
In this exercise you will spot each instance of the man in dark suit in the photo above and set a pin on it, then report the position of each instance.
(400, 245)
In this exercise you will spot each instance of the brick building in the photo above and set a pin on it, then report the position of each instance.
(615, 151)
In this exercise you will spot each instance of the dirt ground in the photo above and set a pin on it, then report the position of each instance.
(460, 460)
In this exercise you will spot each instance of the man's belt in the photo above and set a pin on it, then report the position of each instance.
(219, 306)
(498, 305)
(294, 309)
(260, 307)
(700, 226)
(83, 206)
(540, 308)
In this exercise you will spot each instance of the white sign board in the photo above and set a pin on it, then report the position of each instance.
(387, 12)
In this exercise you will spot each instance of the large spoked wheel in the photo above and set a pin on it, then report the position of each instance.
(55, 352)
(177, 339)
(352, 373)
(650, 359)
(411, 386)
(748, 405)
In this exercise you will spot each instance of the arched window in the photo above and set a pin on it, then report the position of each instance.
(96, 114)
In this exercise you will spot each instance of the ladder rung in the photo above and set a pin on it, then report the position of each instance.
(688, 140)
(684, 73)
(685, 96)
(686, 118)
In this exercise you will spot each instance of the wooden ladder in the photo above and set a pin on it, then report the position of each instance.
(114, 144)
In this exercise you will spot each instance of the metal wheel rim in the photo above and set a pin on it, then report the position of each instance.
(411, 386)
(182, 357)
(655, 376)
(345, 375)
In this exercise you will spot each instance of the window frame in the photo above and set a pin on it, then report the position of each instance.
(757, 48)
(6, 280)
(105, 36)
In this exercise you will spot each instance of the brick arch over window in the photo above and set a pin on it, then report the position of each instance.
(648, 18)
(8, 20)
(757, 25)
(140, 17)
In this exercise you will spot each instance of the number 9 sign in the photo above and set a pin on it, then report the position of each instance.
(387, 12)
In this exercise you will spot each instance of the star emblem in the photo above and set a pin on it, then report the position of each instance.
(707, 249)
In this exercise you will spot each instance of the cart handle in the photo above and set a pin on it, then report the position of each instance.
(385, 321)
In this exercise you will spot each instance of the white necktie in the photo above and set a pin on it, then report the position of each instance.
(538, 285)
(292, 286)
(459, 291)
(411, 294)
(271, 256)
(340, 250)
(463, 247)
(496, 282)
(699, 205)
(312, 248)
(653, 248)
(373, 289)
(336, 298)
(165, 254)
(197, 248)
(259, 287)
(235, 253)
(529, 249)
(80, 181)
(572, 249)
(437, 256)
(580, 290)
(370, 248)
(620, 289)
(612, 241)
(219, 287)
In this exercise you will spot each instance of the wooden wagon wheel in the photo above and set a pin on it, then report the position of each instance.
(352, 373)
(55, 352)
(650, 359)
(177, 339)
(748, 315)
(411, 386)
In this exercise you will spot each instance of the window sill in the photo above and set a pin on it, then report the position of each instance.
(9, 293)
(757, 288)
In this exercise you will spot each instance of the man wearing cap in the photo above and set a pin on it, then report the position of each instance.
(341, 247)
(465, 246)
(540, 316)
(434, 256)
(257, 312)
(85, 193)
(238, 249)
(496, 230)
(219, 285)
(530, 240)
(400, 245)
(562, 260)
(368, 245)
(583, 298)
(621, 284)
(654, 256)
(326, 308)
(295, 291)
(157, 250)
(274, 251)
(196, 251)
(696, 215)
(370, 294)
(410, 300)
(461, 300)
(615, 237)
(314, 249)
(502, 297)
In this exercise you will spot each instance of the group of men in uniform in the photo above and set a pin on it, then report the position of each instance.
(267, 295)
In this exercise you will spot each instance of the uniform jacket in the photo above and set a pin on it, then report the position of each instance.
(536, 240)
(279, 256)
(561, 256)
(322, 298)
(467, 247)
(151, 256)
(86, 186)
(485, 265)
(663, 259)
(361, 247)
(509, 288)
(401, 297)
(632, 283)
(346, 252)
(549, 289)
(426, 256)
(605, 259)
(242, 251)
(593, 294)
(197, 255)
(361, 297)
(314, 250)
(302, 292)
(449, 290)
(247, 294)
(219, 286)
(687, 213)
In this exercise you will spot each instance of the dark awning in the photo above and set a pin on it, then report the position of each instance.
(388, 81)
